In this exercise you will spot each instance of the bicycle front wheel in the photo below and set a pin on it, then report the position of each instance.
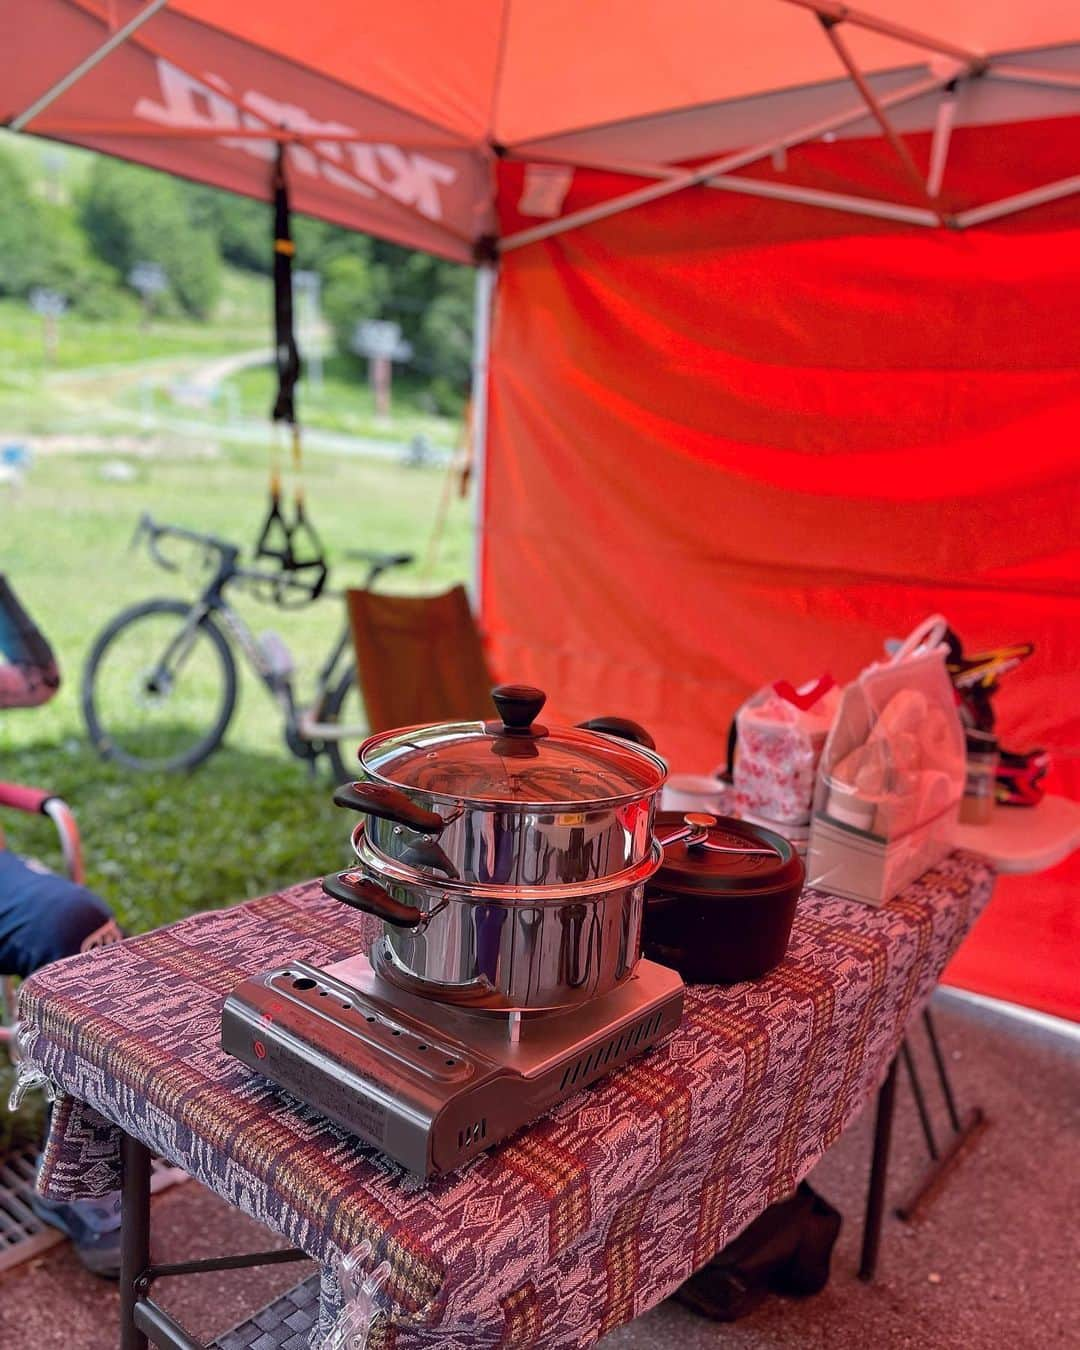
(159, 687)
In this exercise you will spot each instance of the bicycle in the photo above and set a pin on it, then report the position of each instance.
(159, 685)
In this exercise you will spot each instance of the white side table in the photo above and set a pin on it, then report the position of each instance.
(1020, 839)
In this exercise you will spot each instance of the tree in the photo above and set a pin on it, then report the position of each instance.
(91, 286)
(242, 227)
(363, 278)
(20, 234)
(432, 300)
(351, 292)
(444, 340)
(134, 215)
(42, 245)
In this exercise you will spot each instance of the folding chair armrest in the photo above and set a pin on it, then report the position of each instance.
(36, 801)
(63, 818)
(19, 798)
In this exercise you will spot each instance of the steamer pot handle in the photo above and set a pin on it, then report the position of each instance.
(354, 889)
(388, 803)
(620, 726)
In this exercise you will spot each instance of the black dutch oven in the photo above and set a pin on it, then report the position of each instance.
(721, 905)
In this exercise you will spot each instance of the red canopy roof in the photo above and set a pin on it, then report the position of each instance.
(397, 114)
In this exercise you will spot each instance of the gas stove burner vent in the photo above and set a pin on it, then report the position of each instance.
(604, 1057)
(472, 1134)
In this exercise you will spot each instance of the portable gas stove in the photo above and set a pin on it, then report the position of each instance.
(430, 1084)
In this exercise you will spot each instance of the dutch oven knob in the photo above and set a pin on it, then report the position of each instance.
(518, 705)
(694, 830)
(699, 824)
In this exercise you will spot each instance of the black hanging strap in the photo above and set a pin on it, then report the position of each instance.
(285, 350)
(294, 544)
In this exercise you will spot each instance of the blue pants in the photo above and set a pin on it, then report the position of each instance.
(44, 917)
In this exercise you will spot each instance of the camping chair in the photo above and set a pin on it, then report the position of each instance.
(419, 658)
(36, 801)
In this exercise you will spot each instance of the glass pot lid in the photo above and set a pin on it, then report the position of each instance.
(512, 759)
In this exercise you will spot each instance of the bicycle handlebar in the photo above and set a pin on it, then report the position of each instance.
(229, 556)
(155, 532)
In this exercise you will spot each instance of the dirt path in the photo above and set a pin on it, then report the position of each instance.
(201, 372)
(98, 413)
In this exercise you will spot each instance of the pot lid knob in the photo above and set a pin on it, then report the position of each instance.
(518, 705)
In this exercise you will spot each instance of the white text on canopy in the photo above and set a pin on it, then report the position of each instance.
(357, 166)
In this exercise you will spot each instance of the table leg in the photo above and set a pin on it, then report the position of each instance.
(879, 1168)
(134, 1236)
(942, 1071)
(964, 1131)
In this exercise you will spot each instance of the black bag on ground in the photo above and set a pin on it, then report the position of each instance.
(786, 1250)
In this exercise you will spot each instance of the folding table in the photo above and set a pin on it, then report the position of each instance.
(575, 1225)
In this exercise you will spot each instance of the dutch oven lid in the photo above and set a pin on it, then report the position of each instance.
(513, 758)
(719, 855)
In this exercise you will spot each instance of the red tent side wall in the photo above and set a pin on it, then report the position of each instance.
(732, 441)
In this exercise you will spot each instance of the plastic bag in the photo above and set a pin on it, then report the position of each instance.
(780, 734)
(891, 774)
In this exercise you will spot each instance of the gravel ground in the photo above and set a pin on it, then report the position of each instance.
(993, 1264)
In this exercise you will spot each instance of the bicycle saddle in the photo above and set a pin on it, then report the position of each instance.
(380, 559)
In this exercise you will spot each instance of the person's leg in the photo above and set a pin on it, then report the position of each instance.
(44, 918)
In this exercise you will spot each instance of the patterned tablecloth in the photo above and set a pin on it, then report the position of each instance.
(571, 1227)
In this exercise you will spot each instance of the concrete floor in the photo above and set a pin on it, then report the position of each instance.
(994, 1264)
(996, 1261)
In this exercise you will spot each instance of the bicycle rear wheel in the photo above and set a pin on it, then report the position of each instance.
(158, 690)
(345, 705)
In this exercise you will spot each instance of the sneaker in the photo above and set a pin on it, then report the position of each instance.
(93, 1227)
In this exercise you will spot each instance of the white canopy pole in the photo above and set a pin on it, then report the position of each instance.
(831, 27)
(674, 180)
(628, 200)
(840, 13)
(1053, 79)
(85, 66)
(1008, 206)
(836, 201)
(483, 307)
(148, 131)
(939, 146)
(809, 131)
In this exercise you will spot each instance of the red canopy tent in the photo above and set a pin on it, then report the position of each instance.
(783, 352)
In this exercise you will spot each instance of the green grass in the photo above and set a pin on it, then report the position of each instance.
(345, 403)
(251, 819)
(111, 376)
(83, 343)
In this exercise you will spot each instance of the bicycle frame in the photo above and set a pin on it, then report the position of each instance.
(301, 723)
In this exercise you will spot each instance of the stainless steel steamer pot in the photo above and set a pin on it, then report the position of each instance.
(523, 947)
(509, 802)
(507, 861)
